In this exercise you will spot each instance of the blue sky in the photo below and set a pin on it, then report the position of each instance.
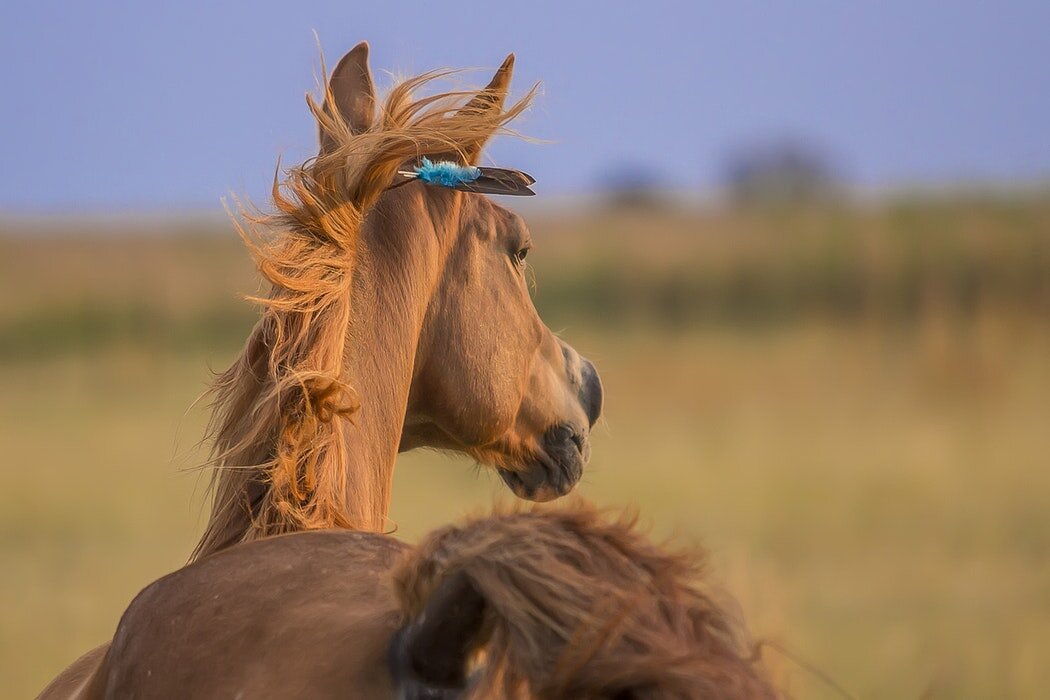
(137, 105)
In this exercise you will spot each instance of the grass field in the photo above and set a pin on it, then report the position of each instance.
(849, 409)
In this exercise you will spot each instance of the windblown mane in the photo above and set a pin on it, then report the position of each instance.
(584, 606)
(281, 411)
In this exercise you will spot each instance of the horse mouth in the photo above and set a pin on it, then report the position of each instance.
(555, 471)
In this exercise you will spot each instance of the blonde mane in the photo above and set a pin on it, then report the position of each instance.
(281, 412)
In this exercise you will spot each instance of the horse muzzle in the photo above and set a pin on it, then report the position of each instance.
(554, 472)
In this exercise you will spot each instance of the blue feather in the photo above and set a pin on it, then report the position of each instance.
(446, 173)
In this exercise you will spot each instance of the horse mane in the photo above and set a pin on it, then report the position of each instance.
(584, 606)
(281, 412)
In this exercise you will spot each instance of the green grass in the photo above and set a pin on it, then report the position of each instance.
(872, 487)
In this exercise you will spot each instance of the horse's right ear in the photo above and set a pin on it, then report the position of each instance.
(489, 100)
(430, 655)
(351, 94)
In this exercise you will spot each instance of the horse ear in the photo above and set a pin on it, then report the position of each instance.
(433, 651)
(352, 92)
(489, 99)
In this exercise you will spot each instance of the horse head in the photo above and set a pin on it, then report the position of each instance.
(399, 317)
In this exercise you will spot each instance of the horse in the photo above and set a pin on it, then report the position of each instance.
(549, 604)
(397, 318)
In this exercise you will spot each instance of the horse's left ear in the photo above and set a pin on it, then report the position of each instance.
(351, 94)
(489, 99)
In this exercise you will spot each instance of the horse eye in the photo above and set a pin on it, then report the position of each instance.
(520, 256)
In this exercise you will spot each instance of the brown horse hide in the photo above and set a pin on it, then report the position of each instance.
(556, 604)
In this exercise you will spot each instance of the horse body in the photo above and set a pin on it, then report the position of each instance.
(289, 616)
(553, 605)
(395, 319)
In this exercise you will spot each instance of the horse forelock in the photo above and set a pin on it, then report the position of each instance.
(281, 411)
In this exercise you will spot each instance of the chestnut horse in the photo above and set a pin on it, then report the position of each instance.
(555, 604)
(397, 318)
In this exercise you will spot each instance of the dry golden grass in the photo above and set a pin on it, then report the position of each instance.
(873, 488)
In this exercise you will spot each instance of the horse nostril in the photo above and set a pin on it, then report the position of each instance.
(577, 439)
(591, 395)
(560, 434)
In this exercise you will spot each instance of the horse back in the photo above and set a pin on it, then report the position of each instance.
(303, 615)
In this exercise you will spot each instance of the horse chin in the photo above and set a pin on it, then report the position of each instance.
(553, 473)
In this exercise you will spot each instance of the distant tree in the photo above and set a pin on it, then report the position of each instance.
(633, 185)
(784, 171)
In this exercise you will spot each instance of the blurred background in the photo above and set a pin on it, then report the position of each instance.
(807, 244)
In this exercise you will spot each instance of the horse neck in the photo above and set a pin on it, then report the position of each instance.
(391, 289)
(399, 260)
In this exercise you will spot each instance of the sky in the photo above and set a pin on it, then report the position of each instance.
(114, 106)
